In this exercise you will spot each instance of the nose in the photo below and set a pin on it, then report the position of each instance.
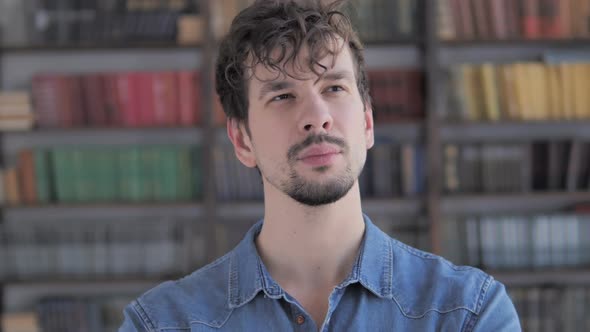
(316, 116)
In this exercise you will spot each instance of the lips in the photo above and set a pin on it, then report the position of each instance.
(319, 155)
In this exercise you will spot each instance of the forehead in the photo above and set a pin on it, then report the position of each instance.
(299, 67)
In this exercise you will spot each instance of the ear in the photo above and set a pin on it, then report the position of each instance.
(369, 127)
(236, 131)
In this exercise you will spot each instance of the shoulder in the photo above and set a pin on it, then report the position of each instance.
(201, 297)
(423, 282)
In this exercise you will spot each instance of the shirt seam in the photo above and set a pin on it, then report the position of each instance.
(147, 322)
(472, 320)
(420, 254)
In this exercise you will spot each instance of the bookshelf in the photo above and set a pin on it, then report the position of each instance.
(223, 221)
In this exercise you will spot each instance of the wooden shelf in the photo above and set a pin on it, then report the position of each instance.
(406, 206)
(45, 138)
(392, 55)
(546, 43)
(93, 47)
(507, 51)
(557, 277)
(403, 42)
(399, 132)
(512, 203)
(76, 282)
(515, 131)
(104, 211)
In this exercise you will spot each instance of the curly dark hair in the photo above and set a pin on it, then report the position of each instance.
(283, 27)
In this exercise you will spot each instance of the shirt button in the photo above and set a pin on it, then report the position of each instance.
(300, 319)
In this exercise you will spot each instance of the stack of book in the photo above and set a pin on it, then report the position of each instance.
(510, 19)
(119, 99)
(519, 242)
(15, 111)
(529, 91)
(383, 21)
(102, 248)
(517, 167)
(397, 94)
(104, 175)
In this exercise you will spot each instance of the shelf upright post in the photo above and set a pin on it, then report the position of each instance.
(1, 166)
(207, 106)
(431, 49)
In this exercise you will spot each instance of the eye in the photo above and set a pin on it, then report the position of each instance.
(335, 88)
(283, 96)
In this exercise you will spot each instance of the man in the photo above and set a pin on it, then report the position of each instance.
(291, 79)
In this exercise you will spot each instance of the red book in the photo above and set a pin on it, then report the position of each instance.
(466, 14)
(129, 94)
(458, 19)
(530, 19)
(65, 103)
(145, 96)
(94, 101)
(415, 88)
(498, 19)
(123, 98)
(46, 96)
(565, 17)
(513, 19)
(75, 101)
(382, 103)
(189, 98)
(375, 86)
(482, 24)
(113, 106)
(551, 23)
(396, 92)
(26, 177)
(165, 97)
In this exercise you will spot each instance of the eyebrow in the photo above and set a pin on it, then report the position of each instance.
(270, 87)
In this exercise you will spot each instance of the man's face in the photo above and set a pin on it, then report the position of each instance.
(309, 137)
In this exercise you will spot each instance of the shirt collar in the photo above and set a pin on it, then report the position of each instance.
(248, 276)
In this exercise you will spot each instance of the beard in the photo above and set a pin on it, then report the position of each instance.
(314, 193)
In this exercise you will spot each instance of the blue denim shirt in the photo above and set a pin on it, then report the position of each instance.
(392, 287)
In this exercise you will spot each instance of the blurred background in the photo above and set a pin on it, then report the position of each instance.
(116, 173)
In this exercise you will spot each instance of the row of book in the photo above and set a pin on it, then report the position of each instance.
(552, 309)
(235, 182)
(394, 170)
(519, 242)
(104, 174)
(123, 99)
(95, 249)
(396, 94)
(513, 19)
(390, 170)
(16, 110)
(517, 167)
(386, 20)
(74, 22)
(375, 20)
(519, 91)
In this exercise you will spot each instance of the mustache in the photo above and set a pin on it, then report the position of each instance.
(314, 139)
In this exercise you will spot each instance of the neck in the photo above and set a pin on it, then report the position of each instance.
(304, 246)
